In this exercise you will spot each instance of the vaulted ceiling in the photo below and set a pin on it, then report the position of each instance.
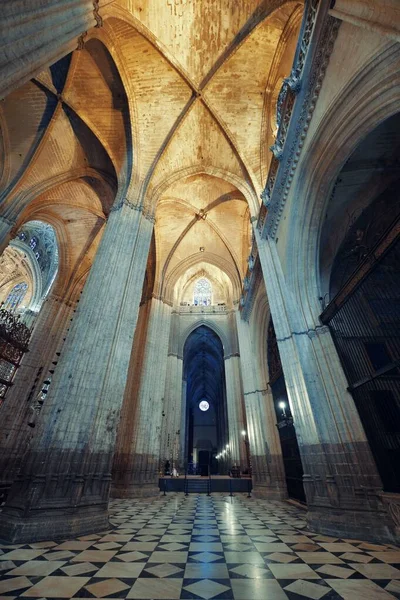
(169, 102)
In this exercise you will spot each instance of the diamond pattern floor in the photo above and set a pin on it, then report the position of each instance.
(207, 548)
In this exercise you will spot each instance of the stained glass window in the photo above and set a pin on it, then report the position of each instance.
(32, 243)
(16, 296)
(202, 292)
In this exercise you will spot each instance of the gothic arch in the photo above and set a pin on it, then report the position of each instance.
(172, 277)
(370, 98)
(211, 325)
(151, 200)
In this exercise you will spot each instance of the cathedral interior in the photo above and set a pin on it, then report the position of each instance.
(200, 299)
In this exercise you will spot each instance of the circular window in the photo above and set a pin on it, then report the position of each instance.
(204, 405)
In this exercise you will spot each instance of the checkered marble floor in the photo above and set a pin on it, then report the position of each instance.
(198, 547)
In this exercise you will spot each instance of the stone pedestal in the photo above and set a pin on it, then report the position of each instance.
(340, 479)
(265, 450)
(63, 487)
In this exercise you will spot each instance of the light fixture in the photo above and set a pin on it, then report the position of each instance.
(204, 405)
(282, 405)
(201, 248)
(227, 446)
(243, 432)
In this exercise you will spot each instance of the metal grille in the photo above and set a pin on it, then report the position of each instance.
(364, 319)
(6, 370)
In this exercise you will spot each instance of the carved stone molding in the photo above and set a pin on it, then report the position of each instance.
(98, 18)
(81, 41)
(250, 286)
(278, 189)
(147, 214)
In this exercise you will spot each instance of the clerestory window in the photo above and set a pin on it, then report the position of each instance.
(202, 293)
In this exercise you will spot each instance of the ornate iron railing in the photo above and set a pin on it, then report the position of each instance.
(14, 341)
(364, 320)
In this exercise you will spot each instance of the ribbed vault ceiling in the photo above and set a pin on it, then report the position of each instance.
(172, 102)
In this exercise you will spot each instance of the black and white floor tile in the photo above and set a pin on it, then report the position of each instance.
(205, 548)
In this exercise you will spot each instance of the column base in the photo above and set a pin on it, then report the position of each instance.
(51, 525)
(269, 493)
(352, 524)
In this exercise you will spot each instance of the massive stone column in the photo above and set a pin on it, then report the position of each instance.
(143, 452)
(63, 487)
(170, 438)
(340, 478)
(47, 338)
(170, 434)
(36, 33)
(266, 455)
(234, 402)
(123, 463)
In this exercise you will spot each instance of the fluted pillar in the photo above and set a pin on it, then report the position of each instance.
(183, 427)
(63, 487)
(340, 478)
(143, 453)
(266, 454)
(35, 34)
(15, 434)
(236, 419)
(170, 434)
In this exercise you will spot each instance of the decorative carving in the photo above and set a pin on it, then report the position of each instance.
(98, 18)
(81, 41)
(267, 192)
(278, 184)
(284, 116)
(147, 214)
(307, 29)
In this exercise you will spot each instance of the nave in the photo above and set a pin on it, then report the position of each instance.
(216, 547)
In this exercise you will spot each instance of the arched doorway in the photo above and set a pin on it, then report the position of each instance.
(361, 275)
(206, 420)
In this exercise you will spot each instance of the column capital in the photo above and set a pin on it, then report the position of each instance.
(138, 206)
